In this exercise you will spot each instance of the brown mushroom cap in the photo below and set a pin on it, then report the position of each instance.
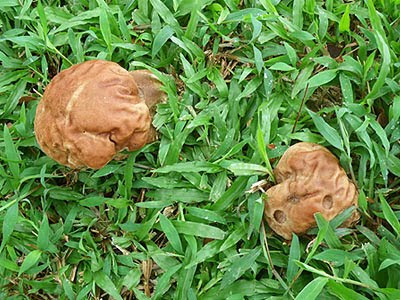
(93, 110)
(310, 180)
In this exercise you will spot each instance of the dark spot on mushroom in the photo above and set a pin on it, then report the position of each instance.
(293, 199)
(327, 202)
(280, 216)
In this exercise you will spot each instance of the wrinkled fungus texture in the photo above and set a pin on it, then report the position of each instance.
(93, 110)
(310, 180)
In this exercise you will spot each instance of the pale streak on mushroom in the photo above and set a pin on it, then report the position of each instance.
(91, 111)
(310, 180)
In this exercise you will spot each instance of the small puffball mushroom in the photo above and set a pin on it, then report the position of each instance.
(92, 110)
(310, 180)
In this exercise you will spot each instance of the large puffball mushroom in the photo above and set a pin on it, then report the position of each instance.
(92, 110)
(310, 180)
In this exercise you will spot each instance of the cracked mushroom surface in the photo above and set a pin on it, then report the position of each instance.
(310, 180)
(92, 110)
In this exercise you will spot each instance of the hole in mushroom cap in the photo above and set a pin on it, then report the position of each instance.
(293, 199)
(327, 202)
(279, 216)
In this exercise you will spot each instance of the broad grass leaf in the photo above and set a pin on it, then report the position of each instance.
(239, 266)
(310, 6)
(93, 201)
(67, 287)
(322, 78)
(11, 152)
(257, 27)
(123, 27)
(43, 19)
(347, 90)
(193, 21)
(396, 109)
(106, 170)
(219, 186)
(166, 15)
(250, 88)
(187, 46)
(29, 261)
(344, 24)
(267, 4)
(70, 218)
(380, 133)
(132, 279)
(388, 262)
(298, 13)
(164, 282)
(105, 283)
(165, 182)
(343, 216)
(193, 166)
(128, 175)
(118, 202)
(206, 214)
(239, 15)
(8, 264)
(384, 50)
(206, 252)
(233, 238)
(281, 66)
(301, 81)
(76, 45)
(291, 53)
(44, 234)
(369, 234)
(262, 149)
(245, 169)
(362, 200)
(268, 83)
(9, 3)
(294, 254)
(382, 160)
(236, 189)
(393, 164)
(323, 23)
(342, 292)
(215, 76)
(256, 216)
(9, 222)
(186, 276)
(178, 195)
(318, 240)
(171, 233)
(198, 229)
(363, 276)
(312, 269)
(313, 289)
(105, 29)
(390, 216)
(155, 204)
(328, 132)
(339, 257)
(331, 239)
(258, 59)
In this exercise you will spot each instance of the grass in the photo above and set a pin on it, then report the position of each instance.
(245, 79)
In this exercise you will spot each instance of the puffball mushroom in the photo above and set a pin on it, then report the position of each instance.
(92, 110)
(310, 180)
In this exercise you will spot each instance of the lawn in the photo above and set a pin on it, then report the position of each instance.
(178, 219)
